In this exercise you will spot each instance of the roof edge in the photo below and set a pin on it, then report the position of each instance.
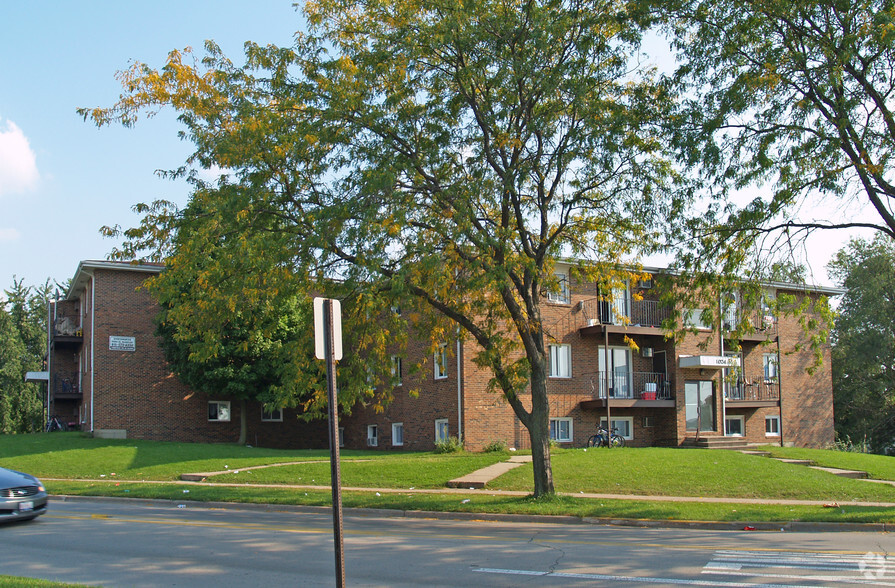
(86, 268)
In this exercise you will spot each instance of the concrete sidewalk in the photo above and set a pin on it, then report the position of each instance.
(479, 478)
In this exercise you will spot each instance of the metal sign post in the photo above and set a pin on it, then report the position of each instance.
(328, 346)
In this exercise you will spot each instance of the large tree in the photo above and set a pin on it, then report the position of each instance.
(864, 344)
(23, 347)
(235, 321)
(440, 155)
(795, 98)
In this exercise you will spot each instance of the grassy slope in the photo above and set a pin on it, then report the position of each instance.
(650, 471)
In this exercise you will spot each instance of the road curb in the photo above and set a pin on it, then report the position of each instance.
(792, 526)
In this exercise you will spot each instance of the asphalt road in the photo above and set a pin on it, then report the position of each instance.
(133, 543)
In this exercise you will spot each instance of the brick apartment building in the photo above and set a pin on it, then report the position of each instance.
(108, 374)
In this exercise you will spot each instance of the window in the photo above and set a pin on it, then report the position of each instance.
(561, 430)
(561, 294)
(768, 302)
(770, 367)
(396, 370)
(560, 361)
(772, 426)
(397, 434)
(648, 421)
(619, 368)
(442, 433)
(372, 436)
(341, 436)
(274, 415)
(734, 426)
(730, 306)
(441, 362)
(625, 426)
(693, 317)
(219, 410)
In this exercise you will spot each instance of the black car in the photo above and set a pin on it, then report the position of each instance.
(22, 496)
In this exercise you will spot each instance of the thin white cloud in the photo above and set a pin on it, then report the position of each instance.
(18, 165)
(9, 235)
(213, 173)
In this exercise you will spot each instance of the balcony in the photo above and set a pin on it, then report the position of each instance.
(630, 389)
(66, 332)
(624, 315)
(757, 325)
(66, 386)
(753, 393)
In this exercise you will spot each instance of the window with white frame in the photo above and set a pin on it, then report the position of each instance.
(730, 309)
(219, 411)
(770, 367)
(772, 425)
(372, 435)
(560, 361)
(562, 294)
(273, 415)
(625, 426)
(442, 432)
(698, 318)
(768, 303)
(561, 429)
(441, 362)
(397, 434)
(397, 376)
(614, 367)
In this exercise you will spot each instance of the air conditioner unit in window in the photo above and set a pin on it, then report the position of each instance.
(645, 284)
(646, 351)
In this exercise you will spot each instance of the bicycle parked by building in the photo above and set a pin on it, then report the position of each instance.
(54, 424)
(603, 439)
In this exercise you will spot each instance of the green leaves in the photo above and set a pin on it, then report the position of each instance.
(864, 344)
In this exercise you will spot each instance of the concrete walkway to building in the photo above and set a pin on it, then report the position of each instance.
(855, 474)
(479, 478)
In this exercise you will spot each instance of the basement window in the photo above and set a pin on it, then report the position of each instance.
(219, 411)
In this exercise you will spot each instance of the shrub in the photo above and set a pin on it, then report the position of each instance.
(499, 446)
(847, 444)
(449, 445)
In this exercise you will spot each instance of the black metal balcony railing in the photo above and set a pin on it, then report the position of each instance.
(757, 389)
(65, 385)
(632, 385)
(639, 313)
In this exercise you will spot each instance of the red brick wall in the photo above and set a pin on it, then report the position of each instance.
(135, 391)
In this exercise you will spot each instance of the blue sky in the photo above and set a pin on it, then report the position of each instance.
(61, 178)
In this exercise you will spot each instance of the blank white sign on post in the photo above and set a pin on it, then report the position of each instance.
(319, 326)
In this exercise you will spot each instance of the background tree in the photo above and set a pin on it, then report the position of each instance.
(793, 97)
(23, 342)
(440, 156)
(864, 344)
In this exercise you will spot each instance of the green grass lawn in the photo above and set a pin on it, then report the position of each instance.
(660, 471)
(642, 471)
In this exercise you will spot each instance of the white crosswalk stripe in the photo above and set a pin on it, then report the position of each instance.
(870, 569)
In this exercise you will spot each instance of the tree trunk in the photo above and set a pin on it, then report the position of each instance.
(243, 422)
(539, 433)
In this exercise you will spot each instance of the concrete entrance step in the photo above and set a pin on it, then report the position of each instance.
(479, 478)
(719, 443)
